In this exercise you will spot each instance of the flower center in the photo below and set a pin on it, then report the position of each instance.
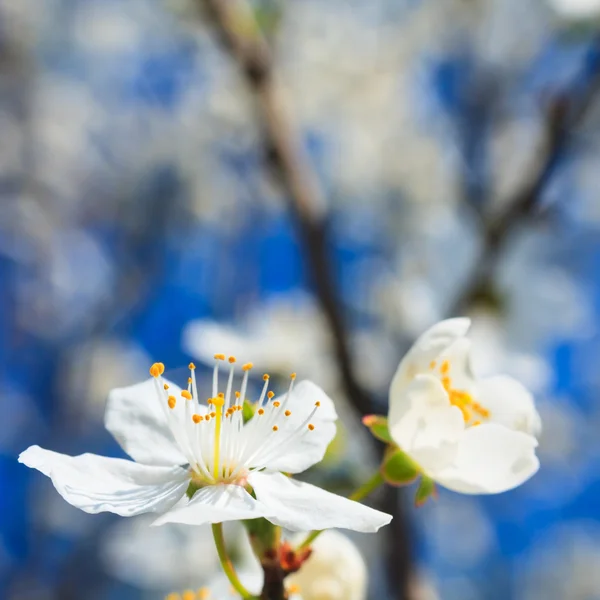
(472, 411)
(220, 445)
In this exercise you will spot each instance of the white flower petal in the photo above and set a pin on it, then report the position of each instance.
(215, 504)
(427, 348)
(300, 506)
(99, 484)
(138, 422)
(510, 404)
(305, 448)
(424, 424)
(490, 459)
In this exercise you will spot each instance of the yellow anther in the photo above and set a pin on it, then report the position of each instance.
(445, 367)
(197, 418)
(237, 394)
(221, 395)
(232, 359)
(275, 428)
(475, 423)
(213, 414)
(294, 588)
(465, 413)
(155, 369)
(287, 413)
(165, 387)
(203, 593)
(446, 382)
(317, 403)
(261, 411)
(266, 377)
(189, 595)
(172, 401)
(270, 395)
(293, 376)
(189, 380)
(191, 366)
(276, 404)
(432, 365)
(207, 418)
(247, 366)
(311, 426)
(219, 357)
(186, 394)
(218, 401)
(173, 596)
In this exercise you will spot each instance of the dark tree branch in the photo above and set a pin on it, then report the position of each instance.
(563, 116)
(240, 34)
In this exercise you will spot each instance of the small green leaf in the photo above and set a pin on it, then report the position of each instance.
(398, 468)
(247, 411)
(425, 490)
(378, 425)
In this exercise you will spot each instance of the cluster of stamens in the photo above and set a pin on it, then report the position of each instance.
(224, 447)
(471, 410)
(201, 594)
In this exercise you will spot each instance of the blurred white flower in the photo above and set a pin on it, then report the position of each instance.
(335, 570)
(472, 436)
(576, 9)
(183, 446)
(284, 333)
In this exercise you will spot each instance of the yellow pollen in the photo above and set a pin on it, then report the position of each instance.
(207, 418)
(270, 395)
(191, 366)
(219, 357)
(237, 394)
(247, 366)
(218, 401)
(209, 401)
(155, 370)
(446, 382)
(288, 413)
(165, 387)
(261, 411)
(213, 414)
(221, 395)
(188, 595)
(475, 423)
(203, 593)
(432, 365)
(317, 403)
(275, 428)
(189, 380)
(186, 394)
(276, 404)
(293, 376)
(197, 418)
(232, 359)
(445, 367)
(172, 401)
(293, 588)
(311, 426)
(266, 377)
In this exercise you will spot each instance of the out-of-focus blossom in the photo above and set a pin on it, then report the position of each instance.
(472, 436)
(285, 333)
(576, 9)
(335, 570)
(183, 446)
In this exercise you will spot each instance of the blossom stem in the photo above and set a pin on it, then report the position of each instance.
(217, 529)
(359, 494)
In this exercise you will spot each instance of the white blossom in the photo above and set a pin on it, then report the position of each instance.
(472, 436)
(231, 469)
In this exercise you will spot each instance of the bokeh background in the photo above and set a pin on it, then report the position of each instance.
(452, 155)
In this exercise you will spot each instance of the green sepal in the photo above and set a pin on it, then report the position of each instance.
(398, 468)
(192, 489)
(378, 425)
(247, 411)
(264, 536)
(425, 490)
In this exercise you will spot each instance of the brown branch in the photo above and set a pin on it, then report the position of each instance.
(563, 116)
(239, 32)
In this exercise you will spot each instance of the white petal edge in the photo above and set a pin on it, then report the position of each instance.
(510, 404)
(136, 419)
(427, 348)
(490, 459)
(97, 484)
(215, 504)
(300, 506)
(306, 447)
